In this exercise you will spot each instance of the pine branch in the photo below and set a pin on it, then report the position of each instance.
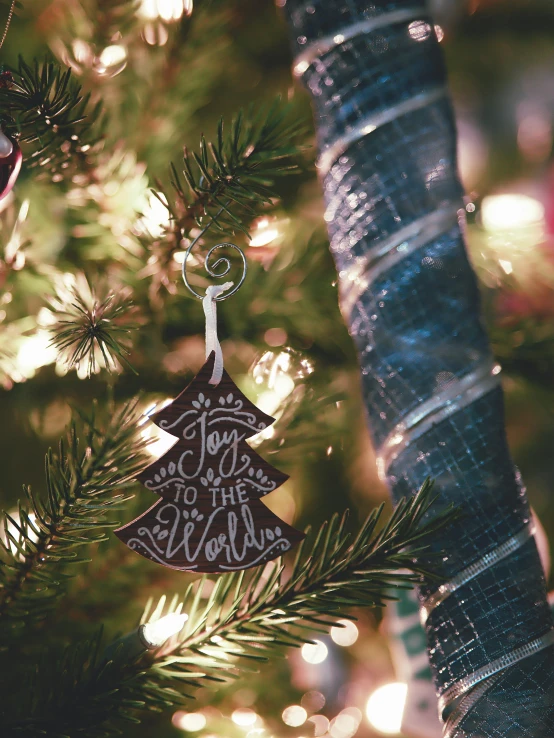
(235, 173)
(45, 106)
(246, 619)
(92, 326)
(84, 481)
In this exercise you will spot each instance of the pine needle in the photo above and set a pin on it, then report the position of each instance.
(246, 619)
(85, 479)
(92, 326)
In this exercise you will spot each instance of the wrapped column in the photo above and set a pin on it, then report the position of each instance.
(387, 162)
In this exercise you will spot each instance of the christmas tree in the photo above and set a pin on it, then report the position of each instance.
(141, 124)
(210, 518)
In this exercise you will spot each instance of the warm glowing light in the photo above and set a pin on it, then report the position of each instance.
(155, 218)
(166, 10)
(82, 51)
(314, 653)
(12, 529)
(284, 385)
(511, 212)
(534, 134)
(111, 61)
(159, 441)
(385, 707)
(294, 715)
(275, 336)
(439, 33)
(113, 55)
(264, 232)
(35, 351)
(244, 717)
(346, 724)
(313, 701)
(276, 372)
(189, 721)
(345, 634)
(506, 265)
(320, 723)
(300, 68)
(158, 632)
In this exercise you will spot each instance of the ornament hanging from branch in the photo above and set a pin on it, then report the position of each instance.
(210, 517)
(10, 164)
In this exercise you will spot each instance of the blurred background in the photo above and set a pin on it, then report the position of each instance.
(165, 71)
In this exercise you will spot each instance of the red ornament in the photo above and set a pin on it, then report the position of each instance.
(6, 80)
(9, 169)
(210, 517)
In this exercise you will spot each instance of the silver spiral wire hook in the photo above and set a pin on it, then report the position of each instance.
(223, 261)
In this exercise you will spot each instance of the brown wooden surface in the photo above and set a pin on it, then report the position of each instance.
(189, 463)
(209, 540)
(210, 517)
(178, 416)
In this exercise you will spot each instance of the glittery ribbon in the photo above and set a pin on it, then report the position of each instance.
(387, 160)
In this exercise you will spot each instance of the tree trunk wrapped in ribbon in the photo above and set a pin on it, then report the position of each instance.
(387, 161)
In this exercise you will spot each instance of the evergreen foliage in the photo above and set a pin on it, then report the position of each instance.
(106, 140)
(84, 480)
(45, 106)
(246, 619)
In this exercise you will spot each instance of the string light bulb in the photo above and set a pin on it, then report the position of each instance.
(264, 232)
(157, 633)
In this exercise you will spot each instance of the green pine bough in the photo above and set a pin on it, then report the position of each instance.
(84, 481)
(45, 108)
(229, 179)
(89, 688)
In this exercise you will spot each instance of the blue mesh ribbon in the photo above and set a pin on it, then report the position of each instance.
(387, 161)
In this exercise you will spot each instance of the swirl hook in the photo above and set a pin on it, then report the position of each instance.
(222, 261)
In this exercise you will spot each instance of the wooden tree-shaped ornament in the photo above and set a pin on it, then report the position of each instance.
(210, 516)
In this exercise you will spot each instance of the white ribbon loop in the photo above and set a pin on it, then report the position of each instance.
(212, 341)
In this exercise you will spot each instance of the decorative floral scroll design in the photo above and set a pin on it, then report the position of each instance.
(206, 414)
(176, 532)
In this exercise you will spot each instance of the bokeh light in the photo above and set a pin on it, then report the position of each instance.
(345, 633)
(320, 723)
(385, 707)
(189, 721)
(346, 723)
(155, 218)
(313, 700)
(244, 717)
(169, 11)
(294, 715)
(314, 653)
(419, 30)
(510, 211)
(34, 352)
